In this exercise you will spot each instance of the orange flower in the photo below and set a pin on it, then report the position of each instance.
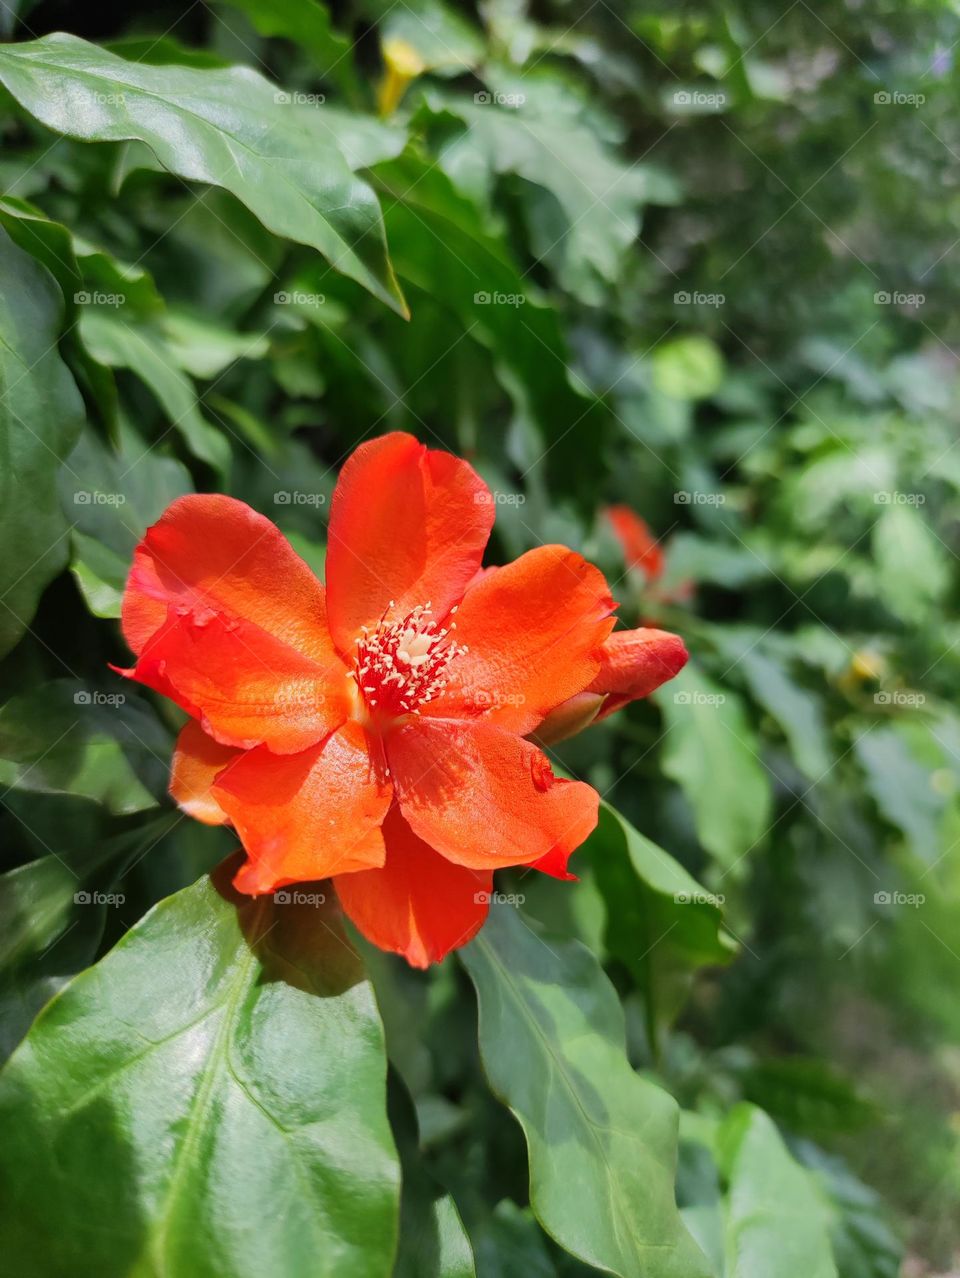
(640, 548)
(376, 731)
(642, 551)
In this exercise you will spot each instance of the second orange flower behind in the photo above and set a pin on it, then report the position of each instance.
(377, 731)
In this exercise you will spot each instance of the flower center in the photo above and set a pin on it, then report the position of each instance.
(401, 665)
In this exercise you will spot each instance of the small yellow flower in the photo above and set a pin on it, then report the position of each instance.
(403, 64)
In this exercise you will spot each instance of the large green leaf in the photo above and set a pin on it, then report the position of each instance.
(229, 128)
(776, 1225)
(711, 752)
(207, 1100)
(41, 414)
(660, 922)
(602, 1141)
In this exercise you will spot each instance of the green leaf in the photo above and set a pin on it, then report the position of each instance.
(777, 1226)
(308, 25)
(602, 1141)
(711, 752)
(465, 267)
(100, 574)
(433, 1242)
(49, 242)
(590, 216)
(444, 41)
(807, 1095)
(37, 898)
(207, 1100)
(798, 712)
(52, 916)
(41, 414)
(66, 737)
(660, 922)
(115, 492)
(903, 788)
(510, 1242)
(203, 348)
(229, 128)
(113, 495)
(687, 368)
(864, 1244)
(145, 351)
(913, 565)
(439, 1246)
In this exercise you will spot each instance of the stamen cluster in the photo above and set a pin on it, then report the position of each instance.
(402, 664)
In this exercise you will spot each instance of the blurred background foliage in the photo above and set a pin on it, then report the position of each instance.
(697, 259)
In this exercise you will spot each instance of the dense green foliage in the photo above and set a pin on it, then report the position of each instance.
(697, 260)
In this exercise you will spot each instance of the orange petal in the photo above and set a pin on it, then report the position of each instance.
(231, 623)
(305, 816)
(484, 797)
(419, 905)
(245, 686)
(213, 553)
(635, 663)
(407, 524)
(555, 864)
(640, 547)
(196, 762)
(533, 630)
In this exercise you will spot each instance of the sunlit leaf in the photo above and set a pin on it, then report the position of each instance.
(230, 1052)
(230, 128)
(601, 1140)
